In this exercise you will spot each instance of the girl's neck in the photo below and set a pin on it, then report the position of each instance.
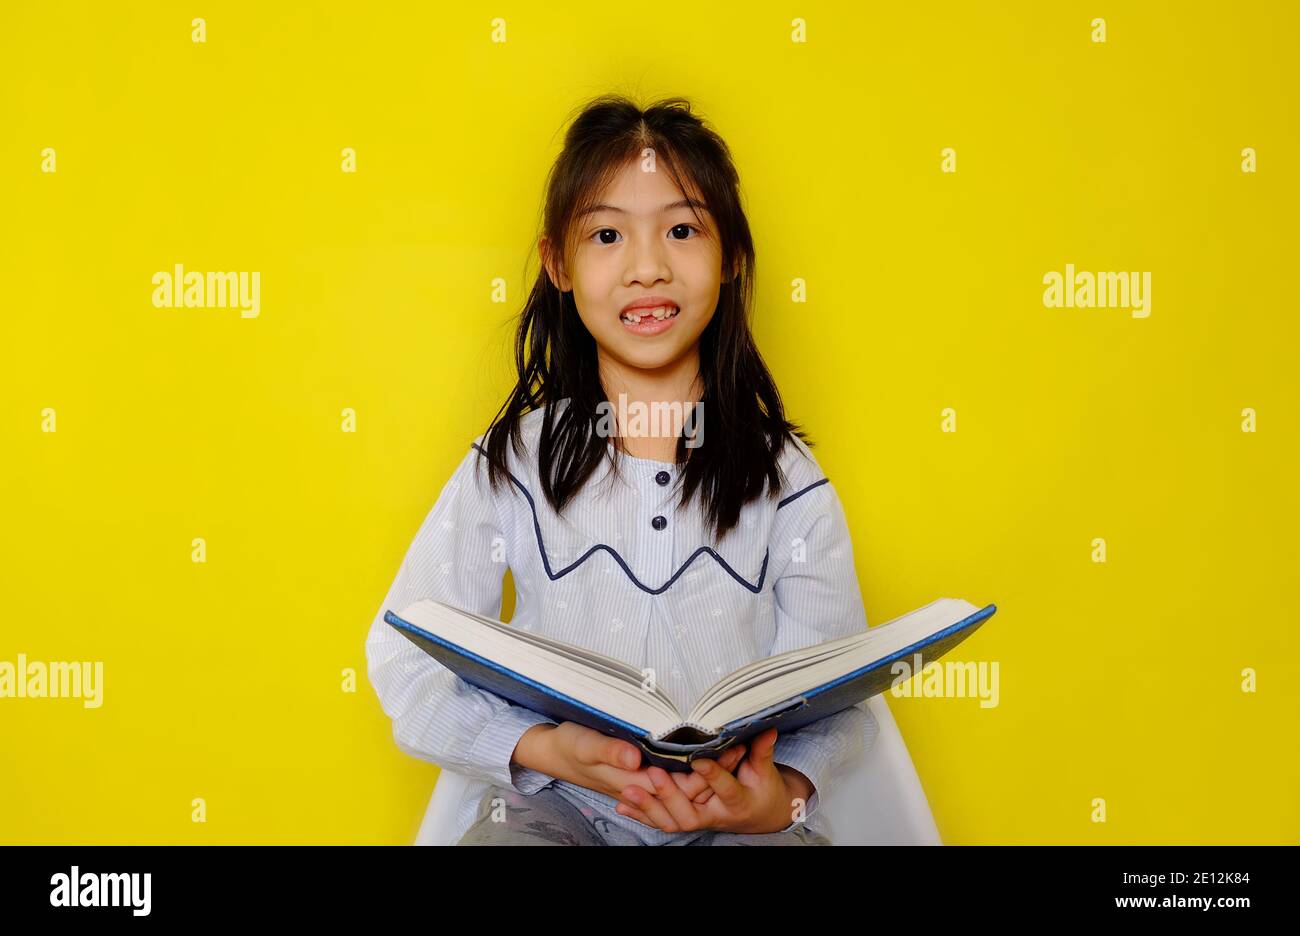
(677, 382)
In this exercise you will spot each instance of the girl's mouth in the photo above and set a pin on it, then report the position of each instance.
(649, 321)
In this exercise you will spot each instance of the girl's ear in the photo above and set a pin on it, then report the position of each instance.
(553, 264)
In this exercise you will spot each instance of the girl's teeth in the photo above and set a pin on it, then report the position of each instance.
(660, 314)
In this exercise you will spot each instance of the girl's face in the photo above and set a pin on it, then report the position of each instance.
(642, 247)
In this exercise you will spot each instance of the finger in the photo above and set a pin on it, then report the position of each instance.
(759, 763)
(637, 778)
(690, 785)
(726, 787)
(613, 780)
(763, 747)
(656, 813)
(695, 787)
(730, 759)
(680, 807)
(619, 753)
(732, 756)
(633, 813)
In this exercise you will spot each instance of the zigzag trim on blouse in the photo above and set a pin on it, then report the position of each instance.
(546, 562)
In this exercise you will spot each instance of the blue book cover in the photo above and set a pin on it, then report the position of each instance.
(918, 638)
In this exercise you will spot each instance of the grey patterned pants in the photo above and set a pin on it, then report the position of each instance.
(547, 818)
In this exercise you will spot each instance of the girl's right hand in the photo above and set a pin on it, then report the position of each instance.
(577, 754)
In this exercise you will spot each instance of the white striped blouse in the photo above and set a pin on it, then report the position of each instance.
(626, 573)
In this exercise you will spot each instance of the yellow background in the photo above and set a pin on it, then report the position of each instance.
(222, 680)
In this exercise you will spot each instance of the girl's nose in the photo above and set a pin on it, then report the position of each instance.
(648, 263)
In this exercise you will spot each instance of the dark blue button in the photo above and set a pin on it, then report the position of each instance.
(662, 478)
(659, 523)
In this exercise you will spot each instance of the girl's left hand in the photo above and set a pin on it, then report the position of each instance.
(693, 784)
(759, 798)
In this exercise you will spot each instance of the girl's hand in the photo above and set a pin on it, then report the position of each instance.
(695, 787)
(759, 798)
(579, 755)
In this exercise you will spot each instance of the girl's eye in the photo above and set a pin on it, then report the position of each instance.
(675, 228)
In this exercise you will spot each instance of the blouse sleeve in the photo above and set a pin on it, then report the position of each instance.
(457, 557)
(817, 599)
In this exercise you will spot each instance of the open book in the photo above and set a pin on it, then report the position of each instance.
(788, 691)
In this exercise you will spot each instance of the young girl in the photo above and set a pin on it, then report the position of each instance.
(688, 553)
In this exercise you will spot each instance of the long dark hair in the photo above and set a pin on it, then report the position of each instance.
(555, 355)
